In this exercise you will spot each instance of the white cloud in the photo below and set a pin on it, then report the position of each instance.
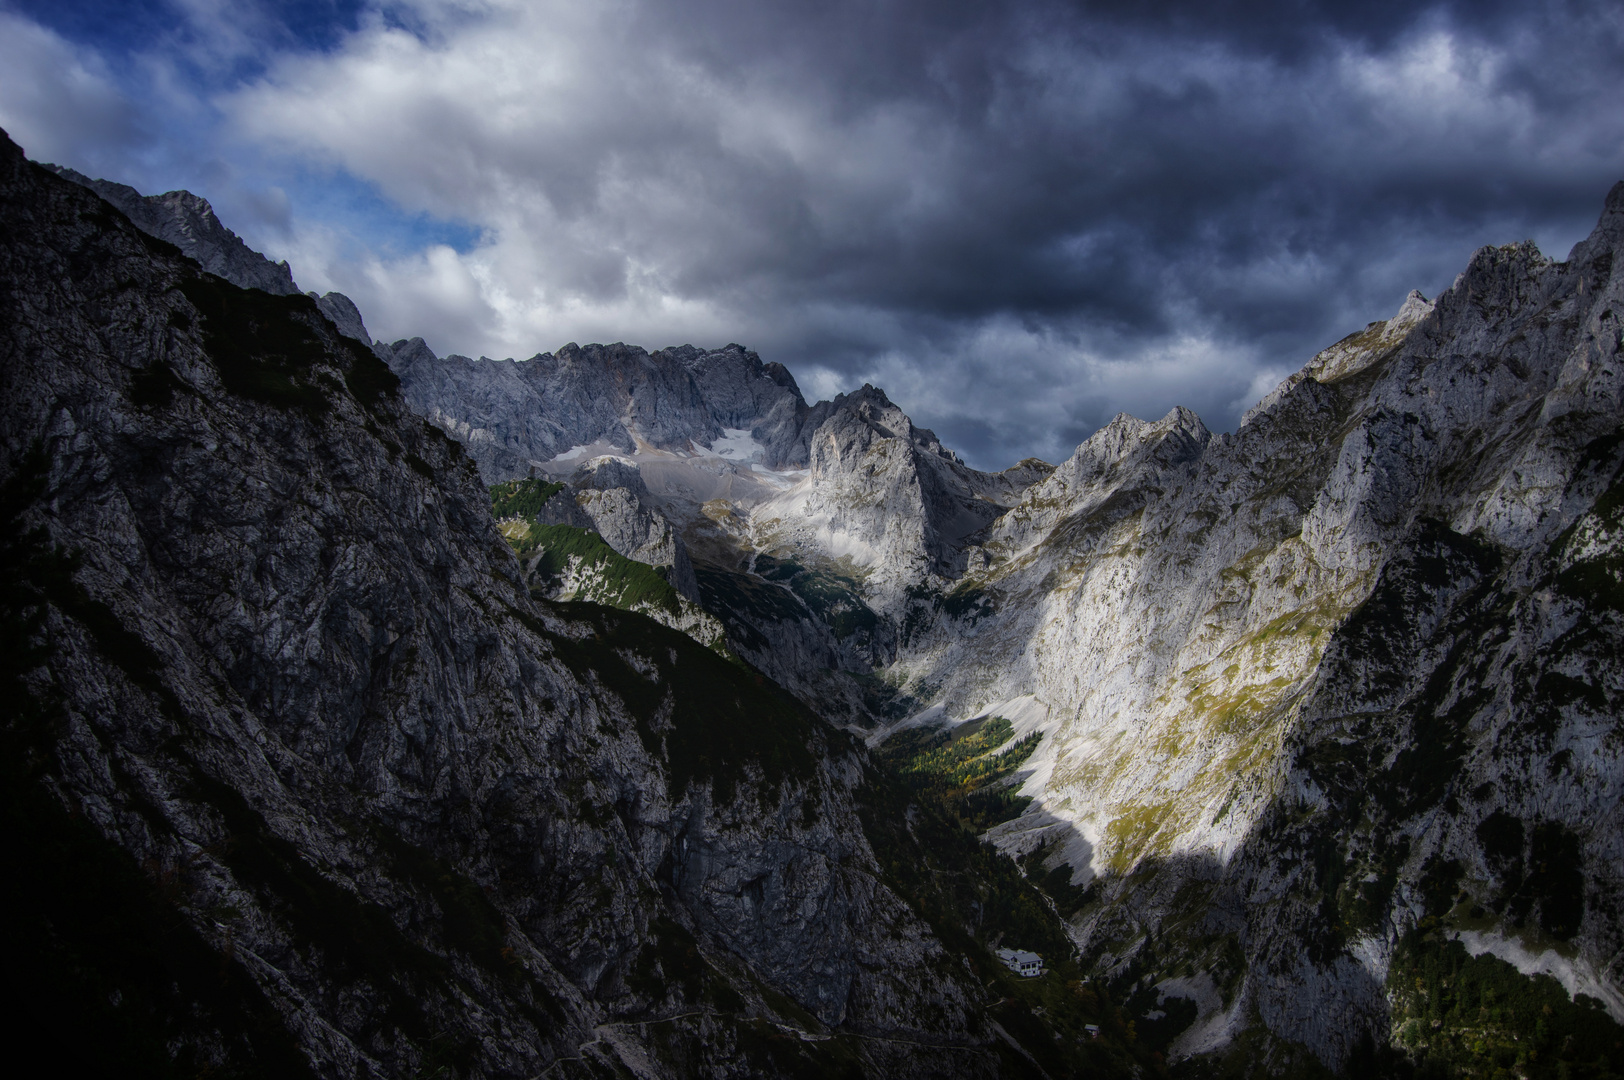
(57, 101)
(535, 122)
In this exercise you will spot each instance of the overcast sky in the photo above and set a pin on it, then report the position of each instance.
(1017, 218)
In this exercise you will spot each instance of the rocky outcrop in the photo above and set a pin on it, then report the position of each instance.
(345, 316)
(602, 581)
(884, 496)
(614, 548)
(188, 222)
(611, 497)
(364, 806)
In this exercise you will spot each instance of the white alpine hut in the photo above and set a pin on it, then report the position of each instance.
(1023, 963)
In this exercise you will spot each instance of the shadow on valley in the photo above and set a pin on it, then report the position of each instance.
(930, 798)
(1186, 946)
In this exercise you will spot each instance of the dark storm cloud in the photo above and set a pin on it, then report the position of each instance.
(1089, 161)
(1090, 166)
(1123, 171)
(1019, 218)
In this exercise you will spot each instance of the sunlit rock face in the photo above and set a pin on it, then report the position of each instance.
(1293, 671)
(608, 496)
(885, 497)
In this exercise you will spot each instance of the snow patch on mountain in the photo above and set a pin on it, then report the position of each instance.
(735, 444)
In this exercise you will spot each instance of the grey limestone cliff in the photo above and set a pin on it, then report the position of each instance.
(1340, 678)
(515, 415)
(886, 496)
(610, 497)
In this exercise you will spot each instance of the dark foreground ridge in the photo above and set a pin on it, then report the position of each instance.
(301, 779)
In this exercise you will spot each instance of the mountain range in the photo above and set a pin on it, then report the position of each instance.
(567, 715)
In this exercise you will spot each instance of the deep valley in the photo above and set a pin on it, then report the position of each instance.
(621, 713)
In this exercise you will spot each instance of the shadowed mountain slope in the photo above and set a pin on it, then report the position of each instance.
(303, 781)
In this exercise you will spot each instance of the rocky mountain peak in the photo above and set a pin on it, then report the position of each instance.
(1608, 232)
(188, 222)
(1352, 354)
(344, 315)
(871, 405)
(604, 473)
(1125, 434)
(1126, 443)
(780, 374)
(520, 415)
(411, 351)
(1414, 309)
